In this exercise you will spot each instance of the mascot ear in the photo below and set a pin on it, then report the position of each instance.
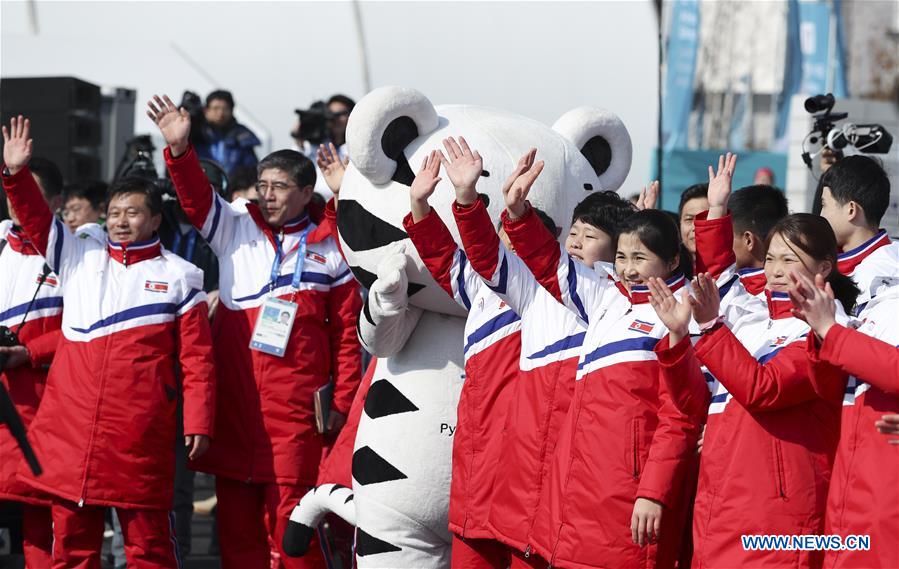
(603, 140)
(381, 126)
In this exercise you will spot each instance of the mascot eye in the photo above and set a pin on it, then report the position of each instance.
(485, 173)
(588, 187)
(598, 153)
(397, 136)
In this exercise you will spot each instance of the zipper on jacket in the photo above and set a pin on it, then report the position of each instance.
(527, 551)
(779, 470)
(635, 448)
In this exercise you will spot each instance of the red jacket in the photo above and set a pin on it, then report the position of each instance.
(864, 489)
(106, 427)
(266, 418)
(771, 434)
(492, 344)
(541, 395)
(22, 268)
(624, 437)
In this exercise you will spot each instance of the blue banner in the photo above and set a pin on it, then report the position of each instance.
(792, 74)
(822, 57)
(683, 45)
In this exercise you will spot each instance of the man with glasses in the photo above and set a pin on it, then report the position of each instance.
(272, 260)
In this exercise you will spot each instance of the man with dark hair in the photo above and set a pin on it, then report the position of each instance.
(223, 138)
(49, 178)
(271, 257)
(339, 109)
(243, 185)
(83, 202)
(594, 224)
(693, 201)
(754, 210)
(854, 198)
(135, 321)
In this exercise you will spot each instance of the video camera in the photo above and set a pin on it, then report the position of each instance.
(314, 123)
(867, 138)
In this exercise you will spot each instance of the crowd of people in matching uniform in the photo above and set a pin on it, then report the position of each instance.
(657, 404)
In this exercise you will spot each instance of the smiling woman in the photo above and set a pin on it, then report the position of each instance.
(648, 246)
(806, 244)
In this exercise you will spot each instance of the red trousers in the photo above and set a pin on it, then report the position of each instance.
(251, 523)
(37, 536)
(479, 554)
(78, 537)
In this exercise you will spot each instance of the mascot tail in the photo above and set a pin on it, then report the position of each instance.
(329, 496)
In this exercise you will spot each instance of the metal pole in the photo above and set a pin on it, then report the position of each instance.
(32, 16)
(360, 43)
(659, 131)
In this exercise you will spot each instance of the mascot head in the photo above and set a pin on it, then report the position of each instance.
(392, 129)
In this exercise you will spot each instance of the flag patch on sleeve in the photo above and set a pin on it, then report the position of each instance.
(641, 326)
(156, 286)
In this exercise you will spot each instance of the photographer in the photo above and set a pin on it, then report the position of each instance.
(223, 139)
(322, 124)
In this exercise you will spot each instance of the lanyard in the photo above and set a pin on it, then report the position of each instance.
(188, 248)
(297, 270)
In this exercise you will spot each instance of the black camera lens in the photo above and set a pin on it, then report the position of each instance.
(819, 103)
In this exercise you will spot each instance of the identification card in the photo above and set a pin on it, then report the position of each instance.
(273, 325)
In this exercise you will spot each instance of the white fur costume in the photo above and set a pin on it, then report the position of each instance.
(402, 452)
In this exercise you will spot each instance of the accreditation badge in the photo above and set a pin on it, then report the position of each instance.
(273, 325)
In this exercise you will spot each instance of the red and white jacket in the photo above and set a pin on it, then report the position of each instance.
(265, 413)
(551, 338)
(135, 313)
(624, 437)
(864, 489)
(21, 279)
(771, 433)
(491, 349)
(873, 265)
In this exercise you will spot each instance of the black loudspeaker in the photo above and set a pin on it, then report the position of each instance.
(65, 121)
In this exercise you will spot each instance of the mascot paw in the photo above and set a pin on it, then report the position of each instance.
(391, 286)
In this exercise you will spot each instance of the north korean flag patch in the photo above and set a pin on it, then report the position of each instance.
(49, 280)
(156, 286)
(641, 326)
(315, 257)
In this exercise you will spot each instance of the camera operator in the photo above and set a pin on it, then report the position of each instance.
(223, 139)
(322, 124)
(25, 282)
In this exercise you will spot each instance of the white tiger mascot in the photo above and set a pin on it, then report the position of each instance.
(402, 453)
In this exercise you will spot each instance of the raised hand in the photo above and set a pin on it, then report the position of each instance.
(704, 301)
(720, 185)
(518, 185)
(648, 197)
(173, 123)
(672, 312)
(423, 186)
(463, 167)
(17, 144)
(813, 301)
(331, 166)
